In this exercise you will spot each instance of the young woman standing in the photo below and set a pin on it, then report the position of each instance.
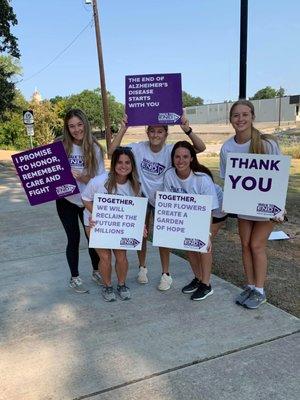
(86, 160)
(253, 231)
(152, 160)
(122, 180)
(189, 176)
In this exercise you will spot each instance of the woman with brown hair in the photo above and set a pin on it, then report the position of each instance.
(86, 160)
(121, 180)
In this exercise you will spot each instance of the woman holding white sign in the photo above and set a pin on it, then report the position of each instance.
(86, 161)
(253, 231)
(122, 180)
(152, 160)
(189, 176)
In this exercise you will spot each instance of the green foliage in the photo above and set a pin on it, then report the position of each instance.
(268, 93)
(90, 102)
(8, 42)
(9, 67)
(12, 130)
(188, 100)
(47, 123)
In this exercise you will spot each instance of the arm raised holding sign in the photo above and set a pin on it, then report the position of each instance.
(153, 158)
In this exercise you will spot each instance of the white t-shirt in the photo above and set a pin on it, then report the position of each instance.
(76, 160)
(231, 146)
(195, 183)
(218, 213)
(97, 185)
(151, 167)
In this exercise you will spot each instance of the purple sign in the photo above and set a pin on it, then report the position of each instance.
(45, 173)
(153, 99)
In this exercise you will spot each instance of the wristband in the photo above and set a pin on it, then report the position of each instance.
(189, 132)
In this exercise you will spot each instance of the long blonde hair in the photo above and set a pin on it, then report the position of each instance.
(89, 142)
(111, 183)
(257, 145)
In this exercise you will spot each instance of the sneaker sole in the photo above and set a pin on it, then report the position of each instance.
(99, 283)
(109, 301)
(164, 289)
(79, 291)
(254, 308)
(142, 282)
(124, 298)
(204, 297)
(188, 292)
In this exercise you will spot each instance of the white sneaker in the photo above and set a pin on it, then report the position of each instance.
(142, 275)
(96, 277)
(165, 282)
(78, 286)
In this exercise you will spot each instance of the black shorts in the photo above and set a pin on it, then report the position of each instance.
(216, 220)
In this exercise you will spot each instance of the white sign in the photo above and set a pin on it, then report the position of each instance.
(28, 117)
(182, 221)
(30, 130)
(256, 184)
(119, 222)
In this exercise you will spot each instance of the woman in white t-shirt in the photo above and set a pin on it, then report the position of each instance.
(187, 175)
(153, 158)
(253, 231)
(122, 180)
(86, 160)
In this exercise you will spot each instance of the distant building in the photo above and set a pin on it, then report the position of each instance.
(266, 110)
(36, 97)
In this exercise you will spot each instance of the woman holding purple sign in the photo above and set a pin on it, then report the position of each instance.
(253, 231)
(86, 161)
(153, 158)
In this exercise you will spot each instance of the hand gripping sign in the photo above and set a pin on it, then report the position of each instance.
(45, 173)
(256, 184)
(182, 221)
(153, 99)
(119, 222)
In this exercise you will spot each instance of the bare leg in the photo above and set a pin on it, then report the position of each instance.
(245, 231)
(195, 263)
(259, 237)
(164, 253)
(121, 265)
(143, 252)
(105, 265)
(206, 263)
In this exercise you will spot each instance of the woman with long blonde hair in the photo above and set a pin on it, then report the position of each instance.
(253, 231)
(86, 160)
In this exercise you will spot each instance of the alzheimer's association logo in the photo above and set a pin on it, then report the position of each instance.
(129, 242)
(168, 118)
(65, 189)
(152, 167)
(193, 243)
(270, 209)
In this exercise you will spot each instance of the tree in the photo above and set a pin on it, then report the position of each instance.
(9, 67)
(268, 93)
(188, 100)
(8, 42)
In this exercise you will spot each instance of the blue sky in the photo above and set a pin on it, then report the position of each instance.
(198, 38)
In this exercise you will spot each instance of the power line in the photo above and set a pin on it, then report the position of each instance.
(58, 55)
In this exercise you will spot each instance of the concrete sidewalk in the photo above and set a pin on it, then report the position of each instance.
(59, 345)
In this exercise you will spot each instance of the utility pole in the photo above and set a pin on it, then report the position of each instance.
(243, 48)
(102, 76)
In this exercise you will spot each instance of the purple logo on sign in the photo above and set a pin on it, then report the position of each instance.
(129, 242)
(45, 173)
(193, 243)
(153, 99)
(267, 209)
